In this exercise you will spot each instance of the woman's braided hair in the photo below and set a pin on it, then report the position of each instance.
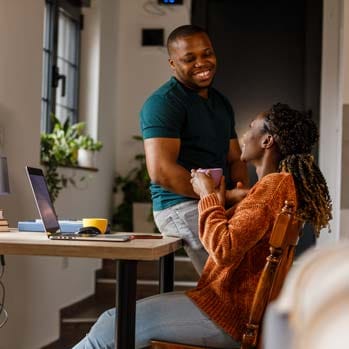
(295, 133)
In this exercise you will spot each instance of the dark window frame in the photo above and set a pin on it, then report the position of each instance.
(53, 81)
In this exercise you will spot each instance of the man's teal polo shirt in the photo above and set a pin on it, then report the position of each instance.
(204, 126)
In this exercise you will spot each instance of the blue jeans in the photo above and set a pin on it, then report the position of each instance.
(182, 221)
(167, 316)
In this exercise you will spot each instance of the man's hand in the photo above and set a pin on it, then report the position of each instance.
(235, 195)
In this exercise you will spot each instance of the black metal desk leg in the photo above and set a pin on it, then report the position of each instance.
(166, 273)
(126, 304)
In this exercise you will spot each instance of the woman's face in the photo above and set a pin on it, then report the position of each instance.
(252, 141)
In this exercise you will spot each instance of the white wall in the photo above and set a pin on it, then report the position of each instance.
(90, 68)
(345, 51)
(331, 111)
(334, 97)
(38, 287)
(344, 228)
(140, 70)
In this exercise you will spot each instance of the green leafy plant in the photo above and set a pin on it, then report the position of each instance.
(59, 148)
(135, 188)
(88, 143)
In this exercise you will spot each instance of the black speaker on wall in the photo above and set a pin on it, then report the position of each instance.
(152, 37)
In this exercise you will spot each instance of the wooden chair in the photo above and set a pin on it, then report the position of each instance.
(283, 241)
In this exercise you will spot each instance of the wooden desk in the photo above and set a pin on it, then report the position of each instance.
(126, 254)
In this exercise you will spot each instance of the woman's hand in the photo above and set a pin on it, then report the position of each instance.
(203, 185)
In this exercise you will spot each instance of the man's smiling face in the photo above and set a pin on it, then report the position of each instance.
(193, 61)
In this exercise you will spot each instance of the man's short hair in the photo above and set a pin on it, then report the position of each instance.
(183, 31)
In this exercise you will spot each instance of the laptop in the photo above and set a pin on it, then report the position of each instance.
(49, 218)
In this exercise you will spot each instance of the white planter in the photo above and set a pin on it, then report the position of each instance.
(141, 211)
(86, 158)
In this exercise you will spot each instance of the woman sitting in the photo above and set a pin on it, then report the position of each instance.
(278, 143)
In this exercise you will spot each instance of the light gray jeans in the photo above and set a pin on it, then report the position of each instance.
(182, 221)
(277, 332)
(168, 316)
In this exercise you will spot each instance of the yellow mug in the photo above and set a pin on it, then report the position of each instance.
(100, 223)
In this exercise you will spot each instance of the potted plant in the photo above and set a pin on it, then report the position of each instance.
(87, 148)
(60, 148)
(136, 197)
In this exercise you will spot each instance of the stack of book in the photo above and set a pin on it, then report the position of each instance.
(3, 222)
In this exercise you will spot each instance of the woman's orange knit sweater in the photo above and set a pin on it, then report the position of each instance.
(238, 247)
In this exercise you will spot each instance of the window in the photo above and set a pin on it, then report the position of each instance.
(61, 56)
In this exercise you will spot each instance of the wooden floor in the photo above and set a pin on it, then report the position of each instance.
(77, 319)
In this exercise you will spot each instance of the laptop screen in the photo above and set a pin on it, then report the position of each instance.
(42, 198)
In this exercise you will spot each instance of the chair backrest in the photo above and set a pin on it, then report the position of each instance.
(283, 241)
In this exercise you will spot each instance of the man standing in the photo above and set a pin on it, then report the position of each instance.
(188, 124)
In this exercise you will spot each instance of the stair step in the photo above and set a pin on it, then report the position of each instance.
(70, 335)
(77, 319)
(184, 270)
(93, 311)
(149, 282)
(106, 290)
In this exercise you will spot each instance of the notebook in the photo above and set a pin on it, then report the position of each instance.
(48, 214)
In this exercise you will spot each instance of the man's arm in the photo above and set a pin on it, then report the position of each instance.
(238, 169)
(161, 157)
(238, 173)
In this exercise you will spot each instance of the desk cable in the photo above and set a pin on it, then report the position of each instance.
(3, 312)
